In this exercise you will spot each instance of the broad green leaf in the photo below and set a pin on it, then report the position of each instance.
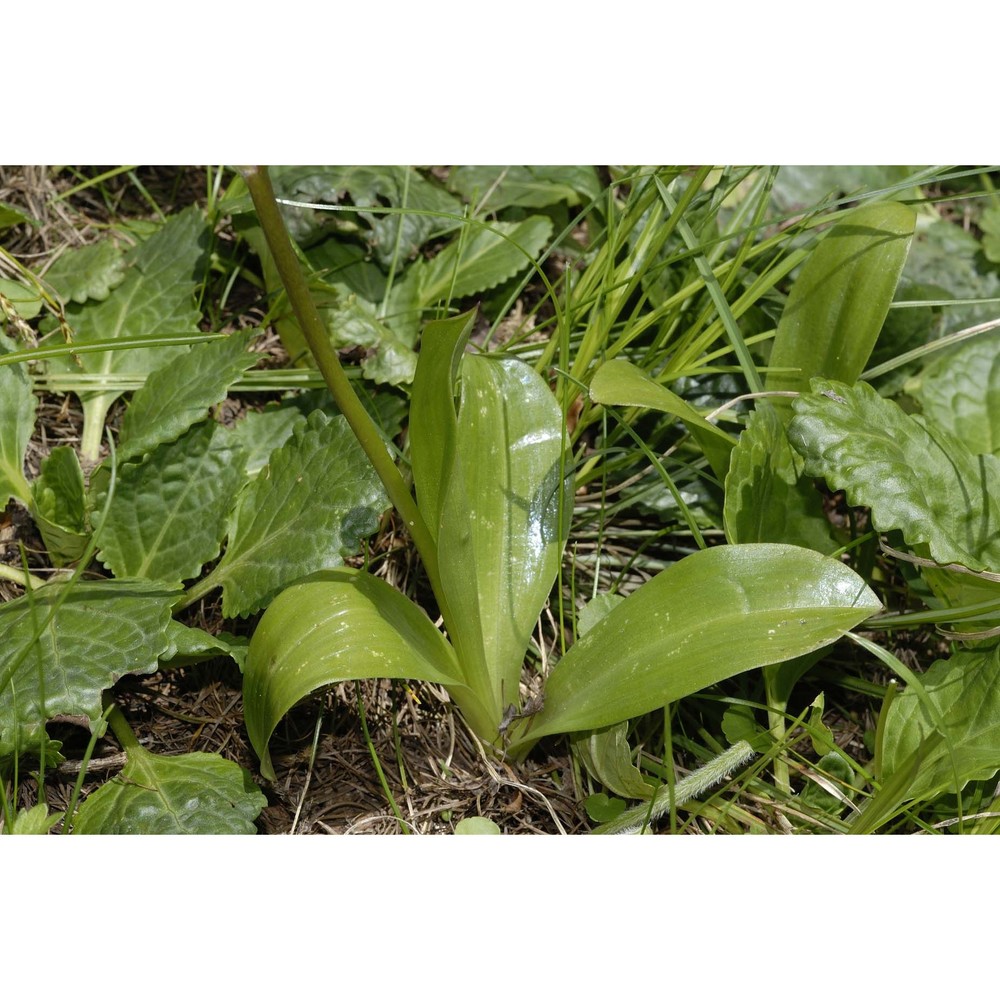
(494, 188)
(155, 299)
(767, 497)
(433, 418)
(335, 626)
(499, 534)
(194, 645)
(89, 272)
(26, 302)
(477, 826)
(169, 513)
(914, 477)
(260, 433)
(841, 297)
(485, 258)
(17, 422)
(960, 392)
(989, 223)
(192, 793)
(606, 753)
(11, 216)
(608, 757)
(180, 393)
(620, 383)
(966, 747)
(35, 820)
(103, 630)
(347, 264)
(716, 613)
(318, 497)
(59, 506)
(355, 323)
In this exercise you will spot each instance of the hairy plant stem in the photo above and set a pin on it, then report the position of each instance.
(259, 184)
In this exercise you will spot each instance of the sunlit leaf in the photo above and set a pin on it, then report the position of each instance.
(169, 513)
(914, 477)
(59, 506)
(620, 383)
(494, 188)
(192, 793)
(17, 422)
(960, 392)
(179, 394)
(88, 272)
(716, 613)
(965, 747)
(103, 630)
(337, 625)
(318, 497)
(155, 299)
(840, 298)
(768, 499)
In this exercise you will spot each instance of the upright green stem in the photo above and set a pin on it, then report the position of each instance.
(328, 363)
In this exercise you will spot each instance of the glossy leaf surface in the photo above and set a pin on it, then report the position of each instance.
(840, 298)
(714, 614)
(192, 793)
(338, 625)
(915, 478)
(498, 532)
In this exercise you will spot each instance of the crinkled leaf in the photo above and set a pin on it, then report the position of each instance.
(355, 323)
(335, 626)
(155, 299)
(17, 422)
(767, 497)
(169, 513)
(963, 744)
(318, 497)
(59, 506)
(180, 393)
(483, 259)
(841, 297)
(89, 272)
(494, 188)
(716, 613)
(103, 630)
(192, 793)
(347, 264)
(960, 392)
(915, 478)
(620, 383)
(260, 433)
